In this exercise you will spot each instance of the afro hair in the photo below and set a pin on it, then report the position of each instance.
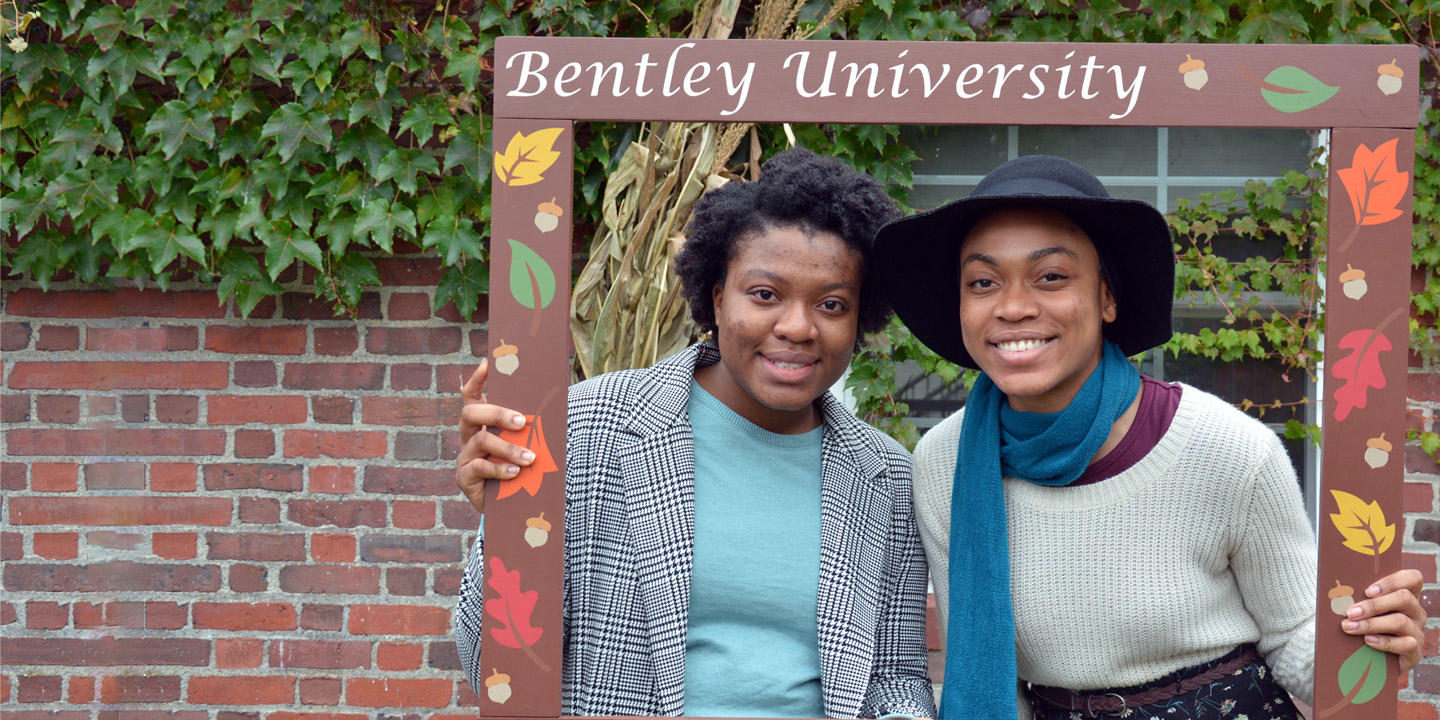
(797, 188)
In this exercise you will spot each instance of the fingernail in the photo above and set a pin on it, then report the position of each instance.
(1372, 591)
(1372, 639)
(528, 456)
(511, 469)
(1355, 612)
(518, 421)
(1350, 625)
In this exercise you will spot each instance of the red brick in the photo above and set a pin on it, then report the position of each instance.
(14, 336)
(334, 376)
(81, 690)
(416, 446)
(256, 339)
(449, 443)
(382, 547)
(113, 375)
(139, 689)
(1423, 386)
(100, 405)
(394, 692)
(249, 476)
(13, 476)
(138, 714)
(312, 443)
(174, 546)
(4, 688)
(254, 443)
(410, 481)
(57, 546)
(112, 576)
(12, 546)
(459, 515)
(54, 477)
(114, 540)
(412, 340)
(1417, 461)
(177, 408)
(414, 412)
(157, 339)
(239, 653)
(306, 306)
(262, 511)
(248, 578)
(398, 620)
(447, 581)
(340, 513)
(399, 656)
(1416, 711)
(449, 312)
(318, 691)
(413, 514)
(114, 303)
(267, 409)
(58, 337)
(408, 306)
(336, 341)
(1423, 562)
(411, 376)
(126, 510)
(240, 690)
(46, 615)
(35, 688)
(405, 581)
(135, 408)
(14, 408)
(114, 441)
(55, 409)
(330, 579)
(244, 616)
(109, 614)
(330, 409)
(261, 547)
(332, 479)
(319, 654)
(443, 655)
(115, 476)
(105, 651)
(166, 615)
(422, 272)
(172, 477)
(332, 547)
(255, 373)
(322, 617)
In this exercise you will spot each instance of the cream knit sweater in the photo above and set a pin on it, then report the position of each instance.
(1199, 547)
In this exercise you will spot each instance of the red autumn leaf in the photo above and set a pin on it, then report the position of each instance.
(1360, 370)
(513, 608)
(1375, 184)
(532, 438)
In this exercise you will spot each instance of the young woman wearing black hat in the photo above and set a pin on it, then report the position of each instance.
(1144, 543)
(737, 543)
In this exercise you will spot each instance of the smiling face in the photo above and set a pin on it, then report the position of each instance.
(786, 317)
(1032, 305)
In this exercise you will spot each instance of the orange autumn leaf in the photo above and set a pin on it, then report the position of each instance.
(532, 438)
(526, 157)
(1375, 184)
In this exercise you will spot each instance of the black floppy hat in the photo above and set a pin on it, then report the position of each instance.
(915, 257)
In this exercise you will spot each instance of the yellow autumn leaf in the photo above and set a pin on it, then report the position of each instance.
(1363, 526)
(526, 157)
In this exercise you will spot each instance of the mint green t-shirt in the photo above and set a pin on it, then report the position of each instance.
(751, 645)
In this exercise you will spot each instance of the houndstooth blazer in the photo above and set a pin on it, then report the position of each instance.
(629, 535)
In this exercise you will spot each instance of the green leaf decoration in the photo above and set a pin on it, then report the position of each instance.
(532, 282)
(1363, 675)
(1296, 91)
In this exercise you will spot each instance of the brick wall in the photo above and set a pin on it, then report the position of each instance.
(212, 518)
(207, 516)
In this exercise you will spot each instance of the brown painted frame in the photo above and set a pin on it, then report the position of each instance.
(1369, 103)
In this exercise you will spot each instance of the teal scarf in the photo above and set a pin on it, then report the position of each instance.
(1044, 448)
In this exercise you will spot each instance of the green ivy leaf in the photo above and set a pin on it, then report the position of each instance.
(463, 285)
(242, 278)
(454, 237)
(380, 220)
(403, 164)
(177, 120)
(422, 117)
(293, 124)
(465, 65)
(164, 241)
(283, 244)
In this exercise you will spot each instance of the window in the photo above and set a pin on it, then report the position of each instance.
(1159, 166)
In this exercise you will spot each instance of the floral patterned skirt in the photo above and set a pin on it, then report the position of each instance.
(1250, 693)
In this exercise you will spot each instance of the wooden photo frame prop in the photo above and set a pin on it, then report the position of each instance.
(1365, 94)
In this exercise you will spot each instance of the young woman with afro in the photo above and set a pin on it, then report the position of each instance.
(737, 542)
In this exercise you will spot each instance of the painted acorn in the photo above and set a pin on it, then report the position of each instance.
(507, 358)
(537, 531)
(1377, 451)
(1194, 72)
(1341, 598)
(1352, 282)
(547, 215)
(497, 687)
(1391, 78)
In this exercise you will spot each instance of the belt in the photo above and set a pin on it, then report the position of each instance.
(1099, 702)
